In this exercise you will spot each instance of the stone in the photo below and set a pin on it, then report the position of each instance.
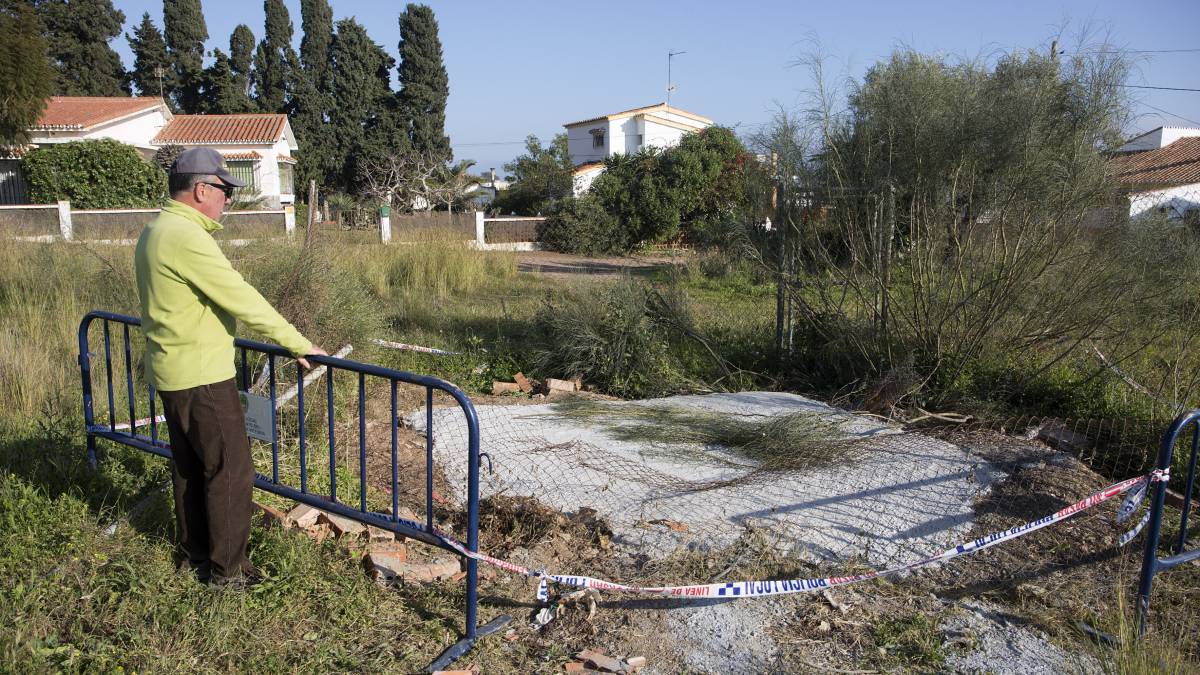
(634, 663)
(384, 567)
(439, 569)
(379, 534)
(304, 515)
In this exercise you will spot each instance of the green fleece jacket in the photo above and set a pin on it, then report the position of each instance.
(191, 301)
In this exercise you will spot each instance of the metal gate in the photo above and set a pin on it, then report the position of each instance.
(126, 433)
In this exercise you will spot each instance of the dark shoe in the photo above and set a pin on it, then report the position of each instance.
(202, 570)
(241, 582)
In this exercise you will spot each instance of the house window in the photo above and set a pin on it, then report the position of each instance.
(597, 138)
(243, 170)
(286, 178)
(641, 140)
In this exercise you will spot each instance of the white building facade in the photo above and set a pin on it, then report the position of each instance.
(591, 141)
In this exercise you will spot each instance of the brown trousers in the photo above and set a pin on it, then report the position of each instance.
(212, 475)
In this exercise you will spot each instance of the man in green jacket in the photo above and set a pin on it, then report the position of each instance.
(192, 299)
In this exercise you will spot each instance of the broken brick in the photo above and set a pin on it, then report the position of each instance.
(574, 667)
(341, 526)
(272, 517)
(599, 661)
(500, 388)
(304, 516)
(635, 663)
(523, 382)
(379, 534)
(554, 385)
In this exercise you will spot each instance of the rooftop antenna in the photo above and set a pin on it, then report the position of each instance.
(670, 87)
(158, 71)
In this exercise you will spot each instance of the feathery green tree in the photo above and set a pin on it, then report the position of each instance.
(361, 74)
(78, 34)
(26, 76)
(152, 74)
(424, 85)
(274, 59)
(309, 108)
(241, 56)
(185, 32)
(224, 92)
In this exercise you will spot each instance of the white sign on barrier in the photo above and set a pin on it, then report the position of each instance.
(258, 415)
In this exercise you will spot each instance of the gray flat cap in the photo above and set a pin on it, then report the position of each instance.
(205, 161)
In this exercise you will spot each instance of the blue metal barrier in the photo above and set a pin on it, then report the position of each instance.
(425, 533)
(1151, 562)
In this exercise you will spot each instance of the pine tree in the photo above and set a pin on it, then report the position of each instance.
(424, 85)
(274, 59)
(26, 76)
(224, 92)
(78, 35)
(241, 56)
(361, 92)
(152, 74)
(185, 33)
(310, 104)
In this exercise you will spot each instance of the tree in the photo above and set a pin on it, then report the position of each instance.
(26, 77)
(166, 155)
(361, 95)
(660, 194)
(274, 60)
(310, 106)
(224, 92)
(152, 74)
(79, 33)
(185, 32)
(541, 177)
(424, 85)
(241, 56)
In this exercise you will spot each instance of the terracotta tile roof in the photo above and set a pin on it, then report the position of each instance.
(73, 113)
(1176, 164)
(222, 129)
(241, 155)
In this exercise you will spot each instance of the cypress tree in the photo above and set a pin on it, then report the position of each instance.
(185, 33)
(361, 91)
(311, 101)
(151, 65)
(26, 76)
(78, 35)
(274, 59)
(224, 92)
(241, 55)
(424, 85)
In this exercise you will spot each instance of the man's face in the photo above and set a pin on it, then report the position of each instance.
(211, 196)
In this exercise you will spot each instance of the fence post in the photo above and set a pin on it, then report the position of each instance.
(480, 239)
(385, 223)
(289, 220)
(64, 220)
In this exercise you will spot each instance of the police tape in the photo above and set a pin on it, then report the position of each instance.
(750, 589)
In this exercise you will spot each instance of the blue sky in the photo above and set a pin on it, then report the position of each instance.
(519, 68)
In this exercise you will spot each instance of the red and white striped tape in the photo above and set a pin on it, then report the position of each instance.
(750, 589)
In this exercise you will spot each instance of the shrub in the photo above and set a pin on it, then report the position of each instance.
(611, 335)
(583, 226)
(100, 174)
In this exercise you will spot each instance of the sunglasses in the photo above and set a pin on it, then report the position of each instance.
(227, 189)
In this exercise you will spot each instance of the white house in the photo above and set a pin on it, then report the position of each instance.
(593, 140)
(1160, 170)
(258, 148)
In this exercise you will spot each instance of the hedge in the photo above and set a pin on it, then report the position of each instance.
(94, 174)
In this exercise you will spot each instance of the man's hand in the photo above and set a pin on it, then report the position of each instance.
(315, 351)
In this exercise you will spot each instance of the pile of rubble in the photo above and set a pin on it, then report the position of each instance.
(385, 555)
